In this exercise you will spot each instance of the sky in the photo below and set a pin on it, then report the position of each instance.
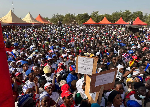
(49, 7)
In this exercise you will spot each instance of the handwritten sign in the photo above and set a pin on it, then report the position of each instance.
(85, 65)
(106, 79)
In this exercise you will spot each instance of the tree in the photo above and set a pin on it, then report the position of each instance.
(100, 17)
(56, 18)
(82, 18)
(137, 14)
(95, 16)
(116, 16)
(147, 19)
(109, 17)
(46, 18)
(127, 15)
(69, 18)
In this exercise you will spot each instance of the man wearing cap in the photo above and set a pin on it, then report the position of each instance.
(31, 76)
(72, 75)
(68, 99)
(54, 95)
(48, 74)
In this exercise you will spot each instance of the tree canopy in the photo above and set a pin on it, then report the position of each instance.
(127, 15)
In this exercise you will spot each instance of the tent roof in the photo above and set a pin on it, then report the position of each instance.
(121, 22)
(10, 17)
(4, 24)
(90, 21)
(138, 22)
(41, 19)
(105, 21)
(29, 19)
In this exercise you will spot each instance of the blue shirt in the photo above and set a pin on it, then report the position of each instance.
(70, 78)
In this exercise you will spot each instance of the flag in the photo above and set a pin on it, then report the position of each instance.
(131, 62)
(126, 57)
(13, 55)
(146, 67)
(6, 99)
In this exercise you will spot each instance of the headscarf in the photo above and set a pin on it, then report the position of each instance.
(112, 95)
(47, 84)
(23, 99)
(119, 67)
(62, 82)
(47, 69)
(79, 85)
(42, 95)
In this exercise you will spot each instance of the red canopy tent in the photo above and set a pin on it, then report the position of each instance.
(90, 21)
(105, 22)
(138, 22)
(41, 19)
(121, 22)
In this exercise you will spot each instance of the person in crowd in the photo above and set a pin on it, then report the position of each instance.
(68, 99)
(42, 81)
(46, 101)
(42, 63)
(115, 99)
(71, 76)
(26, 101)
(140, 93)
(48, 74)
(80, 95)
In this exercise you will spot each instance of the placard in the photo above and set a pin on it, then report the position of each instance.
(92, 97)
(86, 65)
(105, 78)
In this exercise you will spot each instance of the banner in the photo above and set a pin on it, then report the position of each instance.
(6, 94)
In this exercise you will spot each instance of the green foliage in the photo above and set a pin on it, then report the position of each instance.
(127, 16)
(68, 18)
(56, 18)
(95, 16)
(81, 18)
(46, 18)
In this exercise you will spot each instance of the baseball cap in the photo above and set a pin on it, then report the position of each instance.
(72, 68)
(65, 94)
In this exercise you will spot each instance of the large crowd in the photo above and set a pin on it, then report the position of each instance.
(42, 64)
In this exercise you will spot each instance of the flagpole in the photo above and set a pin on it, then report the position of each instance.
(12, 6)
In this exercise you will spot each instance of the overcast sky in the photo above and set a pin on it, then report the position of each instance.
(49, 7)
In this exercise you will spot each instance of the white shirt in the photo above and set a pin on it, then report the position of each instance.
(50, 78)
(133, 98)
